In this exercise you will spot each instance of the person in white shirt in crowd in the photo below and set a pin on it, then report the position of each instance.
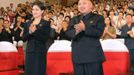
(112, 17)
(119, 22)
(60, 19)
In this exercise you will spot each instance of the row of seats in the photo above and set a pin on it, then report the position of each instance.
(116, 53)
(8, 59)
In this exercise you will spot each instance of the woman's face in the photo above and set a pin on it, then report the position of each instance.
(107, 21)
(85, 6)
(37, 12)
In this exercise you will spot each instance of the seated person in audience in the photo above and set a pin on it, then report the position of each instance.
(7, 33)
(18, 29)
(110, 31)
(67, 18)
(104, 13)
(11, 15)
(120, 22)
(60, 19)
(127, 32)
(53, 33)
(54, 28)
(62, 30)
(6, 17)
(112, 17)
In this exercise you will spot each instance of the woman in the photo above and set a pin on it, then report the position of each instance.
(85, 31)
(36, 33)
(110, 31)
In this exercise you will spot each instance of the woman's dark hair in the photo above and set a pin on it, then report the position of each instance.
(109, 20)
(40, 4)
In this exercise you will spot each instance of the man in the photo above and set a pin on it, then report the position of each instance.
(127, 32)
(7, 33)
(85, 31)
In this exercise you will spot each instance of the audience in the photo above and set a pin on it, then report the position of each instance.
(117, 14)
(114, 12)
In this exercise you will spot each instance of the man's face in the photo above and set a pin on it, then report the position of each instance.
(6, 24)
(129, 19)
(85, 6)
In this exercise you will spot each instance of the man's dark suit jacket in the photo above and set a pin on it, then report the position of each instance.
(129, 42)
(86, 47)
(38, 39)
